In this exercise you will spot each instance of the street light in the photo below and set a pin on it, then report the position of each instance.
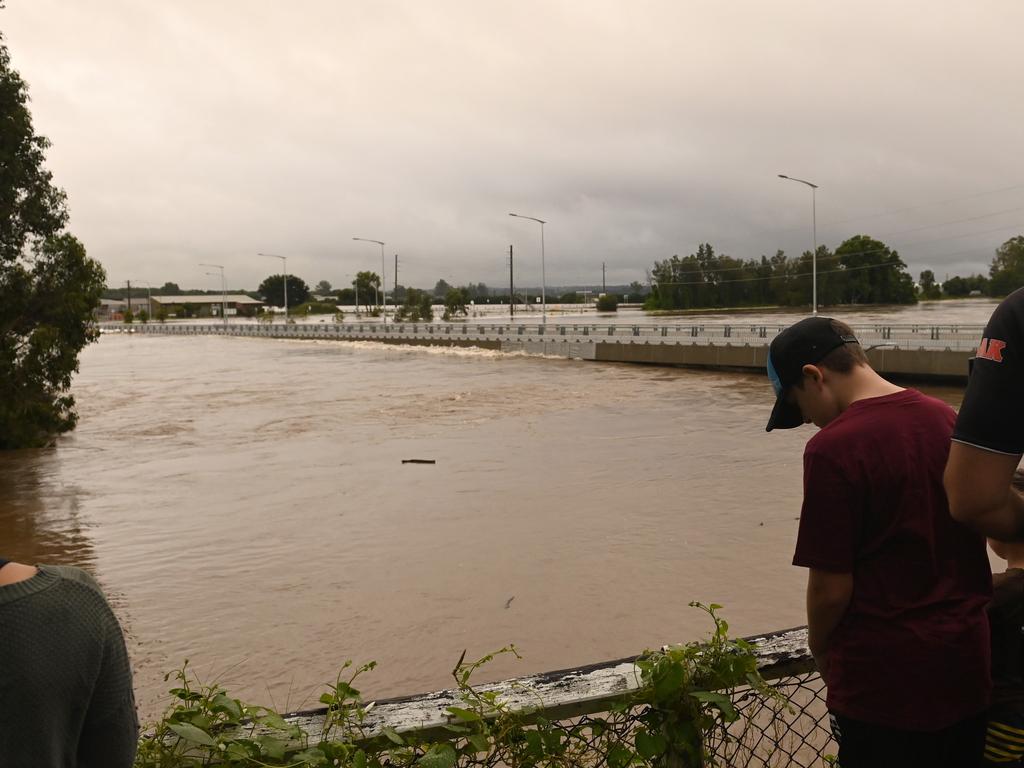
(543, 278)
(814, 231)
(383, 277)
(223, 291)
(284, 259)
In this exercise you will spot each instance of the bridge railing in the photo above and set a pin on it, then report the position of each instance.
(905, 336)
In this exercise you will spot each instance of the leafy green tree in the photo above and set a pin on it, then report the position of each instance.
(417, 306)
(441, 289)
(367, 285)
(873, 273)
(455, 301)
(861, 271)
(963, 286)
(929, 288)
(426, 307)
(323, 287)
(169, 289)
(49, 288)
(607, 302)
(1007, 270)
(477, 291)
(272, 291)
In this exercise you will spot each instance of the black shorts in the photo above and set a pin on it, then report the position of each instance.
(866, 745)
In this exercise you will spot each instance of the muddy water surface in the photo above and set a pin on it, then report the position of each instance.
(245, 504)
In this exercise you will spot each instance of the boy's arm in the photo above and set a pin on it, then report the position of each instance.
(828, 595)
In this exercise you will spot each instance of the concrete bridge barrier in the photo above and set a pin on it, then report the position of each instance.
(909, 352)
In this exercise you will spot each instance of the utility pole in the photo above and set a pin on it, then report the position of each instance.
(604, 288)
(511, 287)
(394, 289)
(129, 296)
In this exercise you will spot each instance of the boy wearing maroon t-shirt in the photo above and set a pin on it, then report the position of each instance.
(896, 589)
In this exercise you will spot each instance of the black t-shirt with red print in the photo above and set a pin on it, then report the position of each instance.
(992, 414)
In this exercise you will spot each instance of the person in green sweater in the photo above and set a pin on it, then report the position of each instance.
(66, 698)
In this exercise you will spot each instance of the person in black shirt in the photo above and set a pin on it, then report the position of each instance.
(1004, 739)
(988, 440)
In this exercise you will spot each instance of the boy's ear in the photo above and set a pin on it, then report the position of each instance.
(814, 373)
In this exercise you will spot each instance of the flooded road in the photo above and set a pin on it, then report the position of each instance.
(245, 505)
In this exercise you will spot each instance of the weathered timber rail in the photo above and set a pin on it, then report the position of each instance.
(912, 352)
(559, 695)
(791, 730)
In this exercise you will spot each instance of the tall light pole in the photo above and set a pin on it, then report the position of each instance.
(284, 260)
(814, 234)
(223, 291)
(383, 278)
(543, 277)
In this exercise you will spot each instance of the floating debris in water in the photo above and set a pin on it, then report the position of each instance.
(419, 461)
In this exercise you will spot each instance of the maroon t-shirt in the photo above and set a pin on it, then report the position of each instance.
(912, 650)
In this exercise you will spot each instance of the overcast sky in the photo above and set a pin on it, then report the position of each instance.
(209, 130)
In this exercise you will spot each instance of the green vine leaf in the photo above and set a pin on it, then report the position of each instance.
(189, 732)
(438, 756)
(465, 715)
(649, 746)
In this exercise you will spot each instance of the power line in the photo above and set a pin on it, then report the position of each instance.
(879, 214)
(954, 221)
(930, 205)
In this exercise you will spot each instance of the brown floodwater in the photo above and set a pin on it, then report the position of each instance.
(245, 505)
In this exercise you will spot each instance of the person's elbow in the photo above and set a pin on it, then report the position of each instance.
(972, 504)
(968, 503)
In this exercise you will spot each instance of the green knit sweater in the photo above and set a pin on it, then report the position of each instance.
(65, 684)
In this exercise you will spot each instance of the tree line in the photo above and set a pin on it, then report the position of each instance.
(861, 270)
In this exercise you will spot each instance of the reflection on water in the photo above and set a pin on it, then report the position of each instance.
(245, 503)
(39, 514)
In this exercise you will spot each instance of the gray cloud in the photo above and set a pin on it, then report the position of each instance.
(200, 131)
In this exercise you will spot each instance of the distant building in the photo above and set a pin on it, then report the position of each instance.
(112, 309)
(204, 306)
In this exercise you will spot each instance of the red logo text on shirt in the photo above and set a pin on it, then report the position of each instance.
(992, 349)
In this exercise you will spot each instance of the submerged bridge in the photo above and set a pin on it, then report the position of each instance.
(916, 352)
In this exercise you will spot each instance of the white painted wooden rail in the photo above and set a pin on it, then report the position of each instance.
(555, 695)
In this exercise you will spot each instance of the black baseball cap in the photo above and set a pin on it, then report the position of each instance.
(803, 343)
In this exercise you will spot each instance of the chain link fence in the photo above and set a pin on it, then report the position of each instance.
(791, 733)
(767, 735)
